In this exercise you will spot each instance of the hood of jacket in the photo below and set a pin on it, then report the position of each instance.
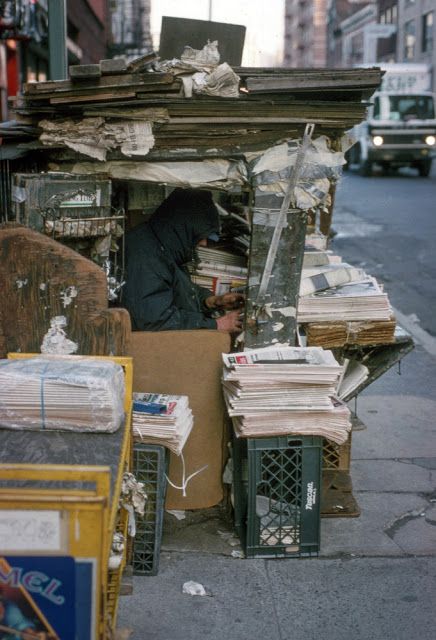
(183, 219)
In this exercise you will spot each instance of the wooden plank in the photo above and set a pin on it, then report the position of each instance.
(104, 81)
(81, 71)
(236, 119)
(285, 83)
(113, 65)
(91, 98)
(34, 272)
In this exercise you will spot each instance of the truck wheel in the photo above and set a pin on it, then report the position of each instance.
(424, 168)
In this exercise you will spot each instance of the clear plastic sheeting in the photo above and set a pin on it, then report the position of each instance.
(322, 168)
(219, 174)
(62, 393)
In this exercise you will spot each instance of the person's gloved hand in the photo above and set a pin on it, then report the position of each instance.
(226, 301)
(230, 322)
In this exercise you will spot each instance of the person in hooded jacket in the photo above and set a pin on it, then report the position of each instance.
(159, 293)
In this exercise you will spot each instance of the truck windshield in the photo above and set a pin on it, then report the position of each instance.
(403, 107)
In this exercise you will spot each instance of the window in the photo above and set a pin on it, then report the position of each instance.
(409, 40)
(403, 108)
(427, 32)
(389, 15)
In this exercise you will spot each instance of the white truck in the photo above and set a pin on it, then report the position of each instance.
(400, 130)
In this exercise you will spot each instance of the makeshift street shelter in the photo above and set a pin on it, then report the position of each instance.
(270, 143)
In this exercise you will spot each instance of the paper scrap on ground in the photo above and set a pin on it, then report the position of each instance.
(193, 588)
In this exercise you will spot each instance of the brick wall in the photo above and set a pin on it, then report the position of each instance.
(89, 19)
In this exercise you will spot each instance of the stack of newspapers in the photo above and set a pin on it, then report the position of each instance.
(331, 289)
(162, 419)
(285, 390)
(360, 300)
(220, 271)
(67, 393)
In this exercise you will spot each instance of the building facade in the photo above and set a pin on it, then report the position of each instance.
(88, 30)
(24, 53)
(130, 24)
(416, 33)
(388, 14)
(305, 33)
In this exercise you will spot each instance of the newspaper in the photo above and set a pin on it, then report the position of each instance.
(169, 427)
(363, 300)
(285, 390)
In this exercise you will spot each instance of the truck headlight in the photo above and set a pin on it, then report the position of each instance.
(378, 141)
(430, 140)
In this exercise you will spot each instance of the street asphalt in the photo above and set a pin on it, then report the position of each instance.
(375, 577)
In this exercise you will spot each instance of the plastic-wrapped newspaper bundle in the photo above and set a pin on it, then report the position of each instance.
(162, 419)
(285, 390)
(66, 393)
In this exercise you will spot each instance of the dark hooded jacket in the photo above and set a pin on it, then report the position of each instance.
(159, 294)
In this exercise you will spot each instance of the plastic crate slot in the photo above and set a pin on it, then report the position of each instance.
(149, 467)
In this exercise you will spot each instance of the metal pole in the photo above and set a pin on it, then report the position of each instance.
(210, 10)
(57, 39)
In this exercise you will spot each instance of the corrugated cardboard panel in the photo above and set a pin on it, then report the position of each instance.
(188, 363)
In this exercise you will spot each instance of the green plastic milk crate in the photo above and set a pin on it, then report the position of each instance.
(277, 490)
(149, 467)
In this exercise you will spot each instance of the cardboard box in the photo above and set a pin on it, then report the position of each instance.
(189, 363)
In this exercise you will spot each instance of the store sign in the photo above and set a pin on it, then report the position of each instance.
(38, 593)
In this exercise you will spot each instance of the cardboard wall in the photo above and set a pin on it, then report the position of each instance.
(188, 363)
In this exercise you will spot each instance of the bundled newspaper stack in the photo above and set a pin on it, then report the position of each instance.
(361, 300)
(285, 390)
(162, 419)
(331, 289)
(341, 304)
(61, 392)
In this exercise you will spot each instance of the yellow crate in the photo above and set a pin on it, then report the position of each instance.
(88, 516)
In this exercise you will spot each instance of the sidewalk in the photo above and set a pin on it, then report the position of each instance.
(375, 576)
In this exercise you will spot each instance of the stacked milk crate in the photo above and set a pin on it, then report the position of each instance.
(282, 402)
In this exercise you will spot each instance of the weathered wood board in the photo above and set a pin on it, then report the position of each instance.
(41, 279)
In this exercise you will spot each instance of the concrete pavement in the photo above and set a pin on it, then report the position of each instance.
(375, 576)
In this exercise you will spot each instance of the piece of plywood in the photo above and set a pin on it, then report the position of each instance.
(188, 363)
(41, 279)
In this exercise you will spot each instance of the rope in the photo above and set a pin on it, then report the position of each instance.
(185, 480)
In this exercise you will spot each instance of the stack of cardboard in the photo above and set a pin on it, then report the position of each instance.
(269, 105)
